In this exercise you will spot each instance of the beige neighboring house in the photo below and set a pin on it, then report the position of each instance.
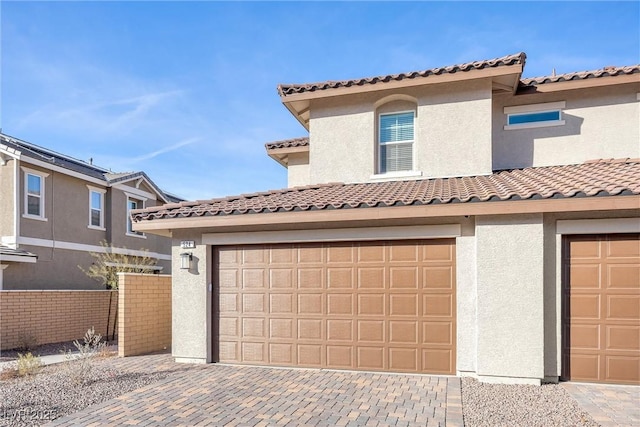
(57, 209)
(460, 220)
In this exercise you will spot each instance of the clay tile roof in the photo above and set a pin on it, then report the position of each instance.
(288, 143)
(602, 178)
(582, 75)
(290, 89)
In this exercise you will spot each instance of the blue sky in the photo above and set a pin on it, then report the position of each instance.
(186, 91)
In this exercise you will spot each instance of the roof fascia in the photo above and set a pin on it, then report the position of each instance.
(135, 176)
(581, 204)
(64, 171)
(407, 82)
(18, 258)
(579, 84)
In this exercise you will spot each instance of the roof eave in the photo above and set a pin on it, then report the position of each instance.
(569, 204)
(579, 84)
(297, 108)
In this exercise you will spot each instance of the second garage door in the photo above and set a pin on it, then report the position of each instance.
(382, 306)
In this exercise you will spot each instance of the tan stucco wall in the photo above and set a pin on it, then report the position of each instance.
(510, 315)
(452, 135)
(298, 170)
(191, 301)
(600, 123)
(7, 208)
(466, 298)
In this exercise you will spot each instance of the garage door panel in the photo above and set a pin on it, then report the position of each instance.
(619, 247)
(438, 305)
(403, 253)
(583, 336)
(437, 253)
(437, 277)
(371, 278)
(622, 369)
(403, 305)
(624, 338)
(623, 276)
(310, 355)
(372, 331)
(253, 352)
(341, 306)
(403, 359)
(282, 328)
(340, 278)
(229, 278)
(253, 327)
(403, 277)
(281, 278)
(228, 303)
(625, 307)
(254, 303)
(437, 333)
(437, 361)
(371, 304)
(310, 303)
(371, 253)
(340, 330)
(371, 358)
(585, 276)
(281, 354)
(340, 356)
(253, 278)
(310, 278)
(584, 306)
(403, 332)
(601, 308)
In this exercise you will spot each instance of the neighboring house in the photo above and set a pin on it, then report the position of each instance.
(57, 209)
(459, 220)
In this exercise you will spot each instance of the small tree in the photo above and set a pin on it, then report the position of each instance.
(108, 264)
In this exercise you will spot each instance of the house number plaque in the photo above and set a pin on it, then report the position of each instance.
(187, 244)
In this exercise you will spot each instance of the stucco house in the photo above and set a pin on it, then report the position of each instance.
(460, 220)
(57, 209)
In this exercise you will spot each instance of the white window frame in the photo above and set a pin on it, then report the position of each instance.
(42, 175)
(128, 222)
(379, 145)
(546, 107)
(102, 192)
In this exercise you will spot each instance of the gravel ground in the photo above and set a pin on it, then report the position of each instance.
(41, 350)
(520, 405)
(55, 391)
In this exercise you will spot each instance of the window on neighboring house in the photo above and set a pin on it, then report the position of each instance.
(34, 203)
(133, 204)
(395, 139)
(534, 115)
(96, 208)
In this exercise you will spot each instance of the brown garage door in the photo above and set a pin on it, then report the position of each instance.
(382, 306)
(601, 309)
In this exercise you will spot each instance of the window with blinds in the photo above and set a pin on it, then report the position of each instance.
(395, 138)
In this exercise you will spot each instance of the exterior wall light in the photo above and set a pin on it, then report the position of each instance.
(185, 260)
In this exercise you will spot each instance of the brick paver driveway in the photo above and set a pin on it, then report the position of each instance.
(252, 396)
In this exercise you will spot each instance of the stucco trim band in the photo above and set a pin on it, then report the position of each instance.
(598, 226)
(334, 235)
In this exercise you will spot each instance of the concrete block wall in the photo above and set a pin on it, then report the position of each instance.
(144, 313)
(54, 316)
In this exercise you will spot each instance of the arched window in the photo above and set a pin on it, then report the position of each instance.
(395, 134)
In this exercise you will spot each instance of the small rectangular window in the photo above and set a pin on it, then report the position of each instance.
(534, 115)
(34, 195)
(542, 116)
(395, 139)
(95, 209)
